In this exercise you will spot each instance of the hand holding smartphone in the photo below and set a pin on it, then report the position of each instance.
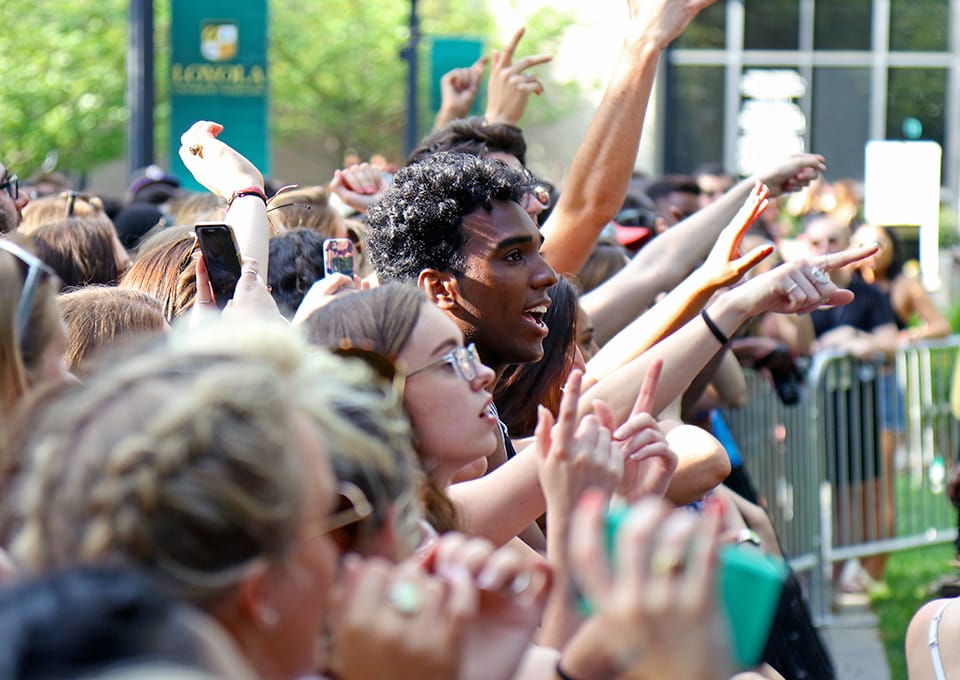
(222, 258)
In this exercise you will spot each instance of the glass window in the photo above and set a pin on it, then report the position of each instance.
(842, 25)
(707, 31)
(840, 119)
(916, 103)
(694, 120)
(921, 25)
(771, 24)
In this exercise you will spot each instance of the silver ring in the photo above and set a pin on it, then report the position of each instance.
(405, 598)
(250, 271)
(819, 275)
(792, 288)
(520, 583)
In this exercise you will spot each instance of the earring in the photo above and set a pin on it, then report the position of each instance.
(269, 617)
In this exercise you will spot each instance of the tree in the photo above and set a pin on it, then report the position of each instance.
(337, 80)
(63, 84)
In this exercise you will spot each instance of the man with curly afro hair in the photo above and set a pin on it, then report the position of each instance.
(453, 223)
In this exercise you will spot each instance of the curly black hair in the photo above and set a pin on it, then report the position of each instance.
(416, 224)
(475, 136)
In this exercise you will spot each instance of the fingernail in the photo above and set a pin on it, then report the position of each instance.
(714, 507)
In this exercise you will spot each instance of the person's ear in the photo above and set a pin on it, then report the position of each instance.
(254, 602)
(441, 287)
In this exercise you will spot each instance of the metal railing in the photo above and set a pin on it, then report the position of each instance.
(858, 466)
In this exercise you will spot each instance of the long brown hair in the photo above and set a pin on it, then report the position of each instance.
(381, 320)
(168, 272)
(523, 387)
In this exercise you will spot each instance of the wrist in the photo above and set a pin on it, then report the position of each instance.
(728, 312)
(248, 192)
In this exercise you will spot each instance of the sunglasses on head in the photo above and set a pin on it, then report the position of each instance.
(352, 507)
(36, 272)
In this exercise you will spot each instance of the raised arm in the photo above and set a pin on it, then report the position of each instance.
(600, 173)
(458, 91)
(229, 175)
(793, 287)
(666, 260)
(510, 85)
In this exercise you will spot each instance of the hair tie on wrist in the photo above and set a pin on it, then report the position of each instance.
(717, 333)
(248, 191)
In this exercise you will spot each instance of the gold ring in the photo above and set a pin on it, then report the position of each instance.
(196, 150)
(666, 562)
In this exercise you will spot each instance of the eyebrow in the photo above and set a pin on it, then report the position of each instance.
(445, 344)
(517, 241)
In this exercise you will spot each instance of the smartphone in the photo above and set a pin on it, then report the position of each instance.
(338, 256)
(749, 584)
(222, 257)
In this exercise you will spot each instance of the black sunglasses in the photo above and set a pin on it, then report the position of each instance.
(12, 184)
(36, 272)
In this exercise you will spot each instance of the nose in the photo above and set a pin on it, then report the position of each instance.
(485, 376)
(22, 201)
(544, 276)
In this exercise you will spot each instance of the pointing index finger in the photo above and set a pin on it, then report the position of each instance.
(849, 256)
(507, 56)
(648, 391)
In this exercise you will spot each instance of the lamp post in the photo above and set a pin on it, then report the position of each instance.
(409, 54)
(140, 96)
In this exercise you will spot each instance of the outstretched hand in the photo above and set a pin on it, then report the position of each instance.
(216, 165)
(574, 457)
(359, 186)
(659, 22)
(649, 462)
(725, 265)
(800, 286)
(459, 89)
(792, 173)
(655, 600)
(510, 86)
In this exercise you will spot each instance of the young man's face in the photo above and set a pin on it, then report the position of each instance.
(502, 294)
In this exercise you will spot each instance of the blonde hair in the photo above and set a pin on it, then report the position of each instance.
(61, 206)
(182, 460)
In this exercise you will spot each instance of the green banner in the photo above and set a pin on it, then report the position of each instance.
(447, 54)
(218, 72)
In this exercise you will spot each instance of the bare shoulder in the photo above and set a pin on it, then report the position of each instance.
(919, 664)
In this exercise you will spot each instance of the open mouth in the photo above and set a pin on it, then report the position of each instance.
(536, 314)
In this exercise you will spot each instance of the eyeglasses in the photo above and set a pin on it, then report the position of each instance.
(12, 184)
(352, 507)
(464, 360)
(37, 270)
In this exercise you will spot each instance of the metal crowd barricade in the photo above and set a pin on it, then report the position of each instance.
(857, 467)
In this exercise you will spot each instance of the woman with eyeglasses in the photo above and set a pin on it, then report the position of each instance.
(203, 462)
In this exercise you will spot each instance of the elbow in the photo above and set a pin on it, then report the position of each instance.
(703, 463)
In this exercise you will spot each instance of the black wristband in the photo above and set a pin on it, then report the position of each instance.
(717, 333)
(561, 674)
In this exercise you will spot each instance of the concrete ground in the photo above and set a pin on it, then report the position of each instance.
(852, 636)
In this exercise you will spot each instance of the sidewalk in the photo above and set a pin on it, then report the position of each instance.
(853, 639)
